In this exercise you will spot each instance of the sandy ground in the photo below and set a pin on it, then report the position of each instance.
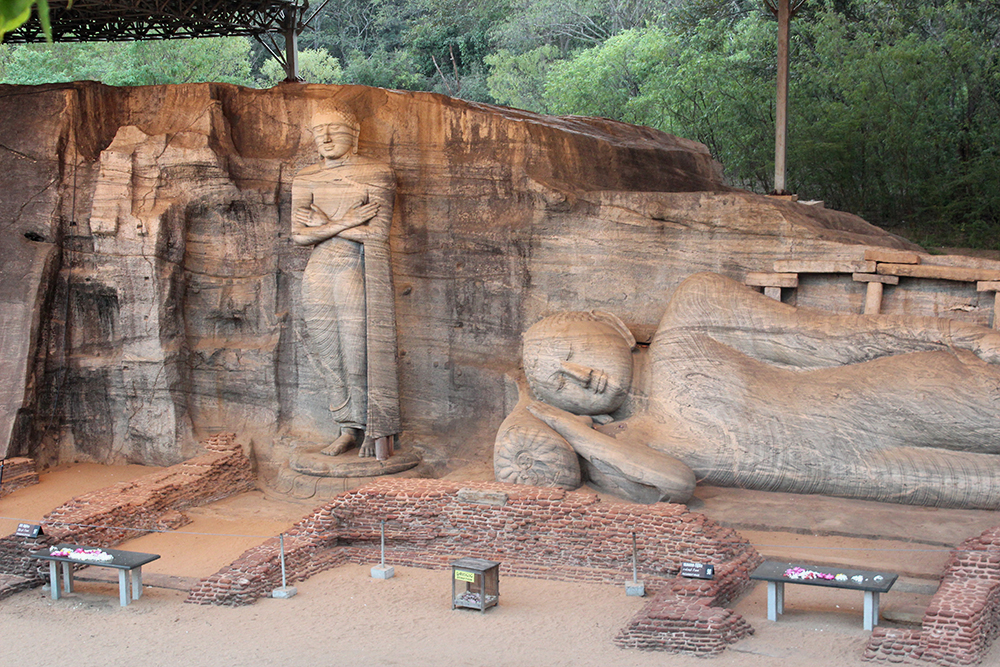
(344, 617)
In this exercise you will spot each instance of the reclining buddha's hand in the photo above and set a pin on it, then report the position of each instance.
(558, 419)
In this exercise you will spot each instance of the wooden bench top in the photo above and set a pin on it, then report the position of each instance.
(876, 582)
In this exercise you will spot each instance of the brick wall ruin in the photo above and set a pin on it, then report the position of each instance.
(683, 625)
(963, 618)
(534, 532)
(109, 516)
(16, 473)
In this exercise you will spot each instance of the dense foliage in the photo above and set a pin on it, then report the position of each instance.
(894, 104)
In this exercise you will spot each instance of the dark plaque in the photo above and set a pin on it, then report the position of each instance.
(698, 570)
(28, 530)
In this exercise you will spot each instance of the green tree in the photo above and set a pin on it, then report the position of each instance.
(714, 84)
(413, 44)
(900, 123)
(573, 24)
(518, 80)
(315, 66)
(349, 27)
(606, 79)
(449, 40)
(384, 69)
(224, 59)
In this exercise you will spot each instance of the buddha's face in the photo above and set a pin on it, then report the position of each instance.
(335, 135)
(583, 367)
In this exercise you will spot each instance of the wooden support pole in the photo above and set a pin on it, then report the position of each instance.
(781, 106)
(291, 47)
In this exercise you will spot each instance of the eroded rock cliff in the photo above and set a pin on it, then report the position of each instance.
(151, 292)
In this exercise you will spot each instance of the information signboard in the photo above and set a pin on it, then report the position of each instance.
(28, 530)
(698, 570)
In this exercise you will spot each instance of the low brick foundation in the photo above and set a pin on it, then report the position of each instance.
(683, 625)
(534, 532)
(963, 618)
(18, 472)
(109, 516)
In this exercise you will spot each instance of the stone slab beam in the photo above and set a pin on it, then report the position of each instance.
(823, 266)
(771, 282)
(891, 256)
(957, 273)
(875, 278)
(762, 279)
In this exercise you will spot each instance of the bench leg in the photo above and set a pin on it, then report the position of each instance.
(136, 583)
(54, 579)
(775, 599)
(67, 571)
(123, 587)
(871, 610)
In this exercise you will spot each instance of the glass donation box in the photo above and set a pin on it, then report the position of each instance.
(475, 583)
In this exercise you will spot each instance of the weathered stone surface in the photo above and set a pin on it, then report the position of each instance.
(155, 297)
(480, 497)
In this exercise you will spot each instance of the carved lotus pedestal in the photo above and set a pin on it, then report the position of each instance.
(312, 474)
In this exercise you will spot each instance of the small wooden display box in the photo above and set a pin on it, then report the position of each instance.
(475, 583)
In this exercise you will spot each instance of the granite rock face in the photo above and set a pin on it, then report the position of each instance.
(151, 291)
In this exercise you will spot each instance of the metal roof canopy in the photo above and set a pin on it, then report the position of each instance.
(132, 20)
(127, 20)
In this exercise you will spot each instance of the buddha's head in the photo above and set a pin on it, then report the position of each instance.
(335, 131)
(580, 362)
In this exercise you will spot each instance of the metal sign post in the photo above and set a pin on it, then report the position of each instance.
(285, 591)
(382, 571)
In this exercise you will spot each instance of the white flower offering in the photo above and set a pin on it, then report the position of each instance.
(81, 554)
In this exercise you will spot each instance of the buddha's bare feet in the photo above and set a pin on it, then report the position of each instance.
(367, 448)
(346, 440)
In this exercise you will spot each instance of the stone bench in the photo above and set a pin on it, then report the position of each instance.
(775, 573)
(128, 563)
